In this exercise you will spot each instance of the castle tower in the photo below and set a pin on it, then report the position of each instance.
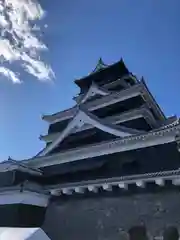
(110, 165)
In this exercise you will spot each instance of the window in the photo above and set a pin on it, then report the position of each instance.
(138, 233)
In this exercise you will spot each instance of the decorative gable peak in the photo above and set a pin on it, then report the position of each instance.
(100, 65)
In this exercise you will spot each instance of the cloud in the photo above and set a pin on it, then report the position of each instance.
(19, 40)
(10, 74)
(37, 68)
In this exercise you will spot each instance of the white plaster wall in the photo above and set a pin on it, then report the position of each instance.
(22, 234)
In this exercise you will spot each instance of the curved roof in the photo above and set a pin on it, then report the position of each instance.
(82, 117)
(119, 68)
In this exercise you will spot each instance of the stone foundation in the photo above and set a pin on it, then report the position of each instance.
(112, 217)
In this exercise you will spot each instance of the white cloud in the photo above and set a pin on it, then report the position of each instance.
(10, 74)
(7, 52)
(19, 39)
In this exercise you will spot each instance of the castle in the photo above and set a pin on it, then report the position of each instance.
(110, 168)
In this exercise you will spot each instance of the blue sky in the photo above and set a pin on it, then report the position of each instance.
(145, 33)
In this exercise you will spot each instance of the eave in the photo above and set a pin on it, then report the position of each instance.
(136, 90)
(150, 96)
(88, 79)
(120, 81)
(98, 103)
(31, 194)
(11, 165)
(123, 182)
(153, 138)
(120, 118)
(84, 117)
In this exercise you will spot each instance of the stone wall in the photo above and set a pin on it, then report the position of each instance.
(111, 218)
